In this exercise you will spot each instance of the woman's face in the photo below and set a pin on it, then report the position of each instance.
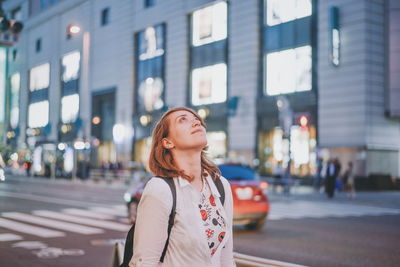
(185, 132)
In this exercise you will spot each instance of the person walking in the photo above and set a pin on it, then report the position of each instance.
(348, 181)
(330, 179)
(201, 234)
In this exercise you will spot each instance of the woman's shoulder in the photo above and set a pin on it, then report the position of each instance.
(158, 187)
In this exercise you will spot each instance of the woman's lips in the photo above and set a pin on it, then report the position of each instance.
(196, 131)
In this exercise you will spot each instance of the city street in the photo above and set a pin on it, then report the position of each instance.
(64, 223)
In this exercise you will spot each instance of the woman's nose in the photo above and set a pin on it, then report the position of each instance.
(195, 123)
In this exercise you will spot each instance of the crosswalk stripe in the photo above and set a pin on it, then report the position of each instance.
(110, 211)
(88, 213)
(9, 237)
(52, 223)
(120, 207)
(29, 229)
(93, 222)
(303, 209)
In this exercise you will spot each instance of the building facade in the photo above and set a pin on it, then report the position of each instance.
(279, 83)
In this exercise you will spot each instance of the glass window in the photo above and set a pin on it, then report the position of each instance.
(151, 42)
(209, 84)
(151, 90)
(15, 87)
(288, 71)
(38, 114)
(280, 11)
(69, 108)
(209, 24)
(70, 64)
(149, 3)
(150, 68)
(38, 45)
(216, 142)
(39, 77)
(105, 15)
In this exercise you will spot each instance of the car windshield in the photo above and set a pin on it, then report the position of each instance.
(237, 172)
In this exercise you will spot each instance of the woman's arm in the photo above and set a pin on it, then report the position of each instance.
(227, 251)
(151, 229)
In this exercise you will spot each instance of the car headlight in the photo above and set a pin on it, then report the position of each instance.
(127, 197)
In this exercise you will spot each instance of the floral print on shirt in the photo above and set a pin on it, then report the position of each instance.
(213, 222)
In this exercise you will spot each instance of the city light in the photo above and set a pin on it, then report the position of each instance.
(73, 29)
(119, 133)
(79, 145)
(61, 146)
(96, 120)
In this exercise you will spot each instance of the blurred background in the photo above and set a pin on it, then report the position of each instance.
(83, 82)
(287, 87)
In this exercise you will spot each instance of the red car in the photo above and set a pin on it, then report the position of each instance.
(250, 202)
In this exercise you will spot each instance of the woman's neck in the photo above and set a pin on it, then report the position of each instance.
(189, 162)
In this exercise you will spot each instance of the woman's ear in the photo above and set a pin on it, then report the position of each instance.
(167, 144)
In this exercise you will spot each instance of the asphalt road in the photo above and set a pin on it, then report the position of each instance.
(304, 229)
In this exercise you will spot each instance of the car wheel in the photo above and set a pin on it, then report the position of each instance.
(256, 225)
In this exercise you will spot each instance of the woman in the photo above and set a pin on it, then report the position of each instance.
(202, 231)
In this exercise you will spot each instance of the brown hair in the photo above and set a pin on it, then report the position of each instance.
(161, 161)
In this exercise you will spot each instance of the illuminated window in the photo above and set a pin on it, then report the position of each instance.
(209, 84)
(38, 114)
(209, 24)
(39, 77)
(150, 90)
(69, 108)
(280, 11)
(299, 145)
(216, 142)
(70, 64)
(150, 68)
(288, 71)
(151, 43)
(15, 87)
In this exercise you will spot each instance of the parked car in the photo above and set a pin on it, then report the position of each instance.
(250, 202)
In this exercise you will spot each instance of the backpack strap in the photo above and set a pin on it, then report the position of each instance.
(170, 182)
(221, 190)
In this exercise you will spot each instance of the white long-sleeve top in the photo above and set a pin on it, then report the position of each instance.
(187, 244)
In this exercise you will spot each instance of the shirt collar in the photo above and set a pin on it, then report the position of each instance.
(183, 183)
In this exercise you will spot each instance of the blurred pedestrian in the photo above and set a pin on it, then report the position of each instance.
(348, 181)
(318, 174)
(330, 179)
(202, 231)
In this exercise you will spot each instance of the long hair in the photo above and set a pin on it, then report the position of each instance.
(161, 161)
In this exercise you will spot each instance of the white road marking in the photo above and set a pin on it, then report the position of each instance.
(52, 223)
(28, 229)
(88, 213)
(308, 209)
(9, 237)
(93, 222)
(111, 211)
(52, 200)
